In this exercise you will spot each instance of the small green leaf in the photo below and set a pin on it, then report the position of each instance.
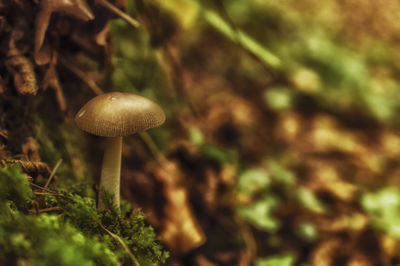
(218, 153)
(310, 201)
(384, 208)
(285, 260)
(281, 174)
(253, 180)
(259, 214)
(278, 99)
(196, 136)
(242, 38)
(307, 231)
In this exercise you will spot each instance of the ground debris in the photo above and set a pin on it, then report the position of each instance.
(22, 70)
(181, 230)
(31, 168)
(51, 80)
(77, 8)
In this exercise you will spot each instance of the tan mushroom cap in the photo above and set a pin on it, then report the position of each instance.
(118, 114)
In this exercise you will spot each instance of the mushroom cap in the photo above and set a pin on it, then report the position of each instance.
(118, 114)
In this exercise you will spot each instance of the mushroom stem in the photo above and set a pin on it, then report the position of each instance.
(111, 170)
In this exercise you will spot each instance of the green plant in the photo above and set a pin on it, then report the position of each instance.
(76, 234)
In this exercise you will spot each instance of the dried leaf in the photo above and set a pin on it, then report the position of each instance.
(101, 37)
(323, 254)
(181, 231)
(77, 8)
(22, 70)
(32, 169)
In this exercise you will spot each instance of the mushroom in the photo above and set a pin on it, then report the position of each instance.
(114, 115)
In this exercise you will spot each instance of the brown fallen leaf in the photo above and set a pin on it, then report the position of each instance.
(101, 37)
(22, 71)
(32, 169)
(181, 231)
(76, 8)
(359, 259)
(323, 254)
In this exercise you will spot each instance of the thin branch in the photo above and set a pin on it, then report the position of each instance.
(53, 173)
(79, 73)
(42, 188)
(44, 193)
(50, 209)
(4, 135)
(246, 41)
(152, 147)
(122, 243)
(54, 193)
(131, 21)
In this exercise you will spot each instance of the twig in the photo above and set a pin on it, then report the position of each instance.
(133, 22)
(53, 193)
(45, 193)
(50, 209)
(4, 135)
(53, 173)
(51, 80)
(236, 35)
(79, 73)
(122, 243)
(42, 188)
(152, 147)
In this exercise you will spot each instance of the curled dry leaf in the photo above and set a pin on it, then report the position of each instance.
(352, 225)
(101, 37)
(390, 247)
(76, 8)
(324, 253)
(181, 231)
(3, 134)
(359, 259)
(33, 169)
(22, 71)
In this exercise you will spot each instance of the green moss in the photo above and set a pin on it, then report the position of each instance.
(48, 240)
(62, 141)
(76, 235)
(128, 224)
(15, 192)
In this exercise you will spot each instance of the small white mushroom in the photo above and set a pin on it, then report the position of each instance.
(114, 115)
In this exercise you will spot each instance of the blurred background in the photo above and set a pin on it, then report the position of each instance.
(281, 145)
